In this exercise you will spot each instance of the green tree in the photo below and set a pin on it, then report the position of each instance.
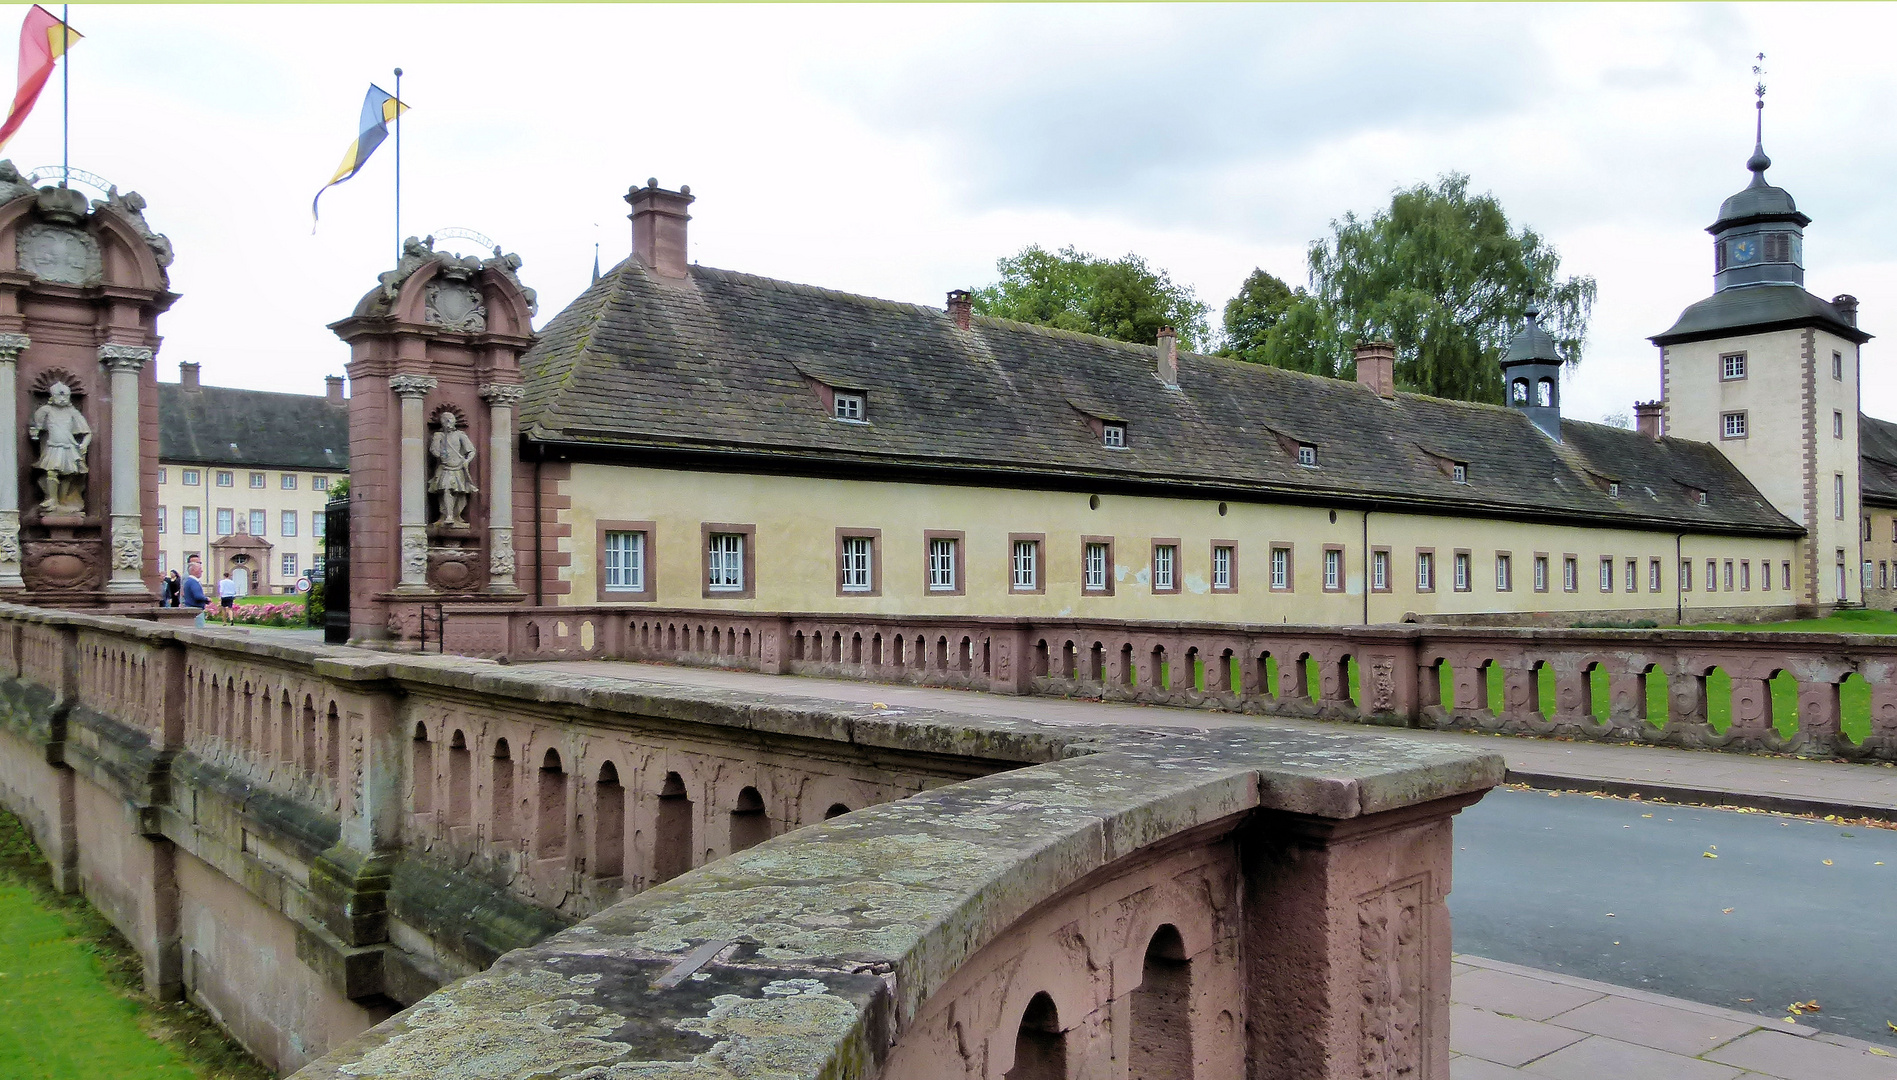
(1261, 304)
(1073, 290)
(1444, 276)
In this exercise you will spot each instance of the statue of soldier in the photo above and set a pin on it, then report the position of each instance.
(453, 452)
(64, 436)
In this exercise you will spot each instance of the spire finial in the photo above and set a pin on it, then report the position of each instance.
(1758, 162)
(1533, 311)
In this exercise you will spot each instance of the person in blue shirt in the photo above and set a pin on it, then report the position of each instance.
(194, 591)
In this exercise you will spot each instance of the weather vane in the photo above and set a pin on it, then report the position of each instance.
(1758, 72)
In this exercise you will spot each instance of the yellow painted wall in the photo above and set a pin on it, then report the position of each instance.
(240, 498)
(797, 519)
(1880, 557)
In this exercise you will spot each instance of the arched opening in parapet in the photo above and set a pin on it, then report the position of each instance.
(1040, 1049)
(856, 648)
(609, 823)
(836, 810)
(750, 826)
(250, 717)
(1655, 695)
(333, 765)
(1854, 708)
(460, 781)
(550, 818)
(1547, 690)
(1781, 702)
(422, 772)
(1599, 689)
(672, 849)
(309, 735)
(1161, 1040)
(500, 790)
(286, 729)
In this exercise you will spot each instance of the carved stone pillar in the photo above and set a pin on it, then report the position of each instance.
(501, 399)
(411, 389)
(11, 345)
(126, 363)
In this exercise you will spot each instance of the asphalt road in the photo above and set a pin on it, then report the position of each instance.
(1622, 892)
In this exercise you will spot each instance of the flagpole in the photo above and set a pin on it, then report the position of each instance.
(65, 96)
(398, 164)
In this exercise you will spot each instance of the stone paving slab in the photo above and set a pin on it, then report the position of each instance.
(1618, 1032)
(1703, 776)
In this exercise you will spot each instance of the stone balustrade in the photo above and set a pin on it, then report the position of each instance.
(1824, 695)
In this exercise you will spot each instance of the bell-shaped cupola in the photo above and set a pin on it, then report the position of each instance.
(1759, 238)
(1531, 369)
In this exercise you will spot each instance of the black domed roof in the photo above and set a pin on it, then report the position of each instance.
(1759, 201)
(1533, 345)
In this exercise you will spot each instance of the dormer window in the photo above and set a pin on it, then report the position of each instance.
(849, 405)
(1459, 472)
(1307, 455)
(1114, 436)
(1702, 498)
(1613, 489)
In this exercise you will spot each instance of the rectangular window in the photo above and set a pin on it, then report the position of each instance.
(1837, 371)
(1837, 424)
(942, 551)
(1785, 573)
(1425, 571)
(164, 564)
(190, 523)
(256, 523)
(161, 519)
(1728, 577)
(1307, 455)
(256, 479)
(1686, 575)
(1837, 496)
(1222, 567)
(319, 522)
(625, 569)
(1712, 575)
(1765, 575)
(1096, 569)
(724, 562)
(1504, 573)
(289, 567)
(319, 483)
(1867, 573)
(1613, 489)
(1732, 425)
(1459, 472)
(1333, 570)
(164, 475)
(1281, 568)
(1883, 576)
(225, 478)
(1462, 571)
(1570, 574)
(1165, 562)
(1607, 574)
(1745, 575)
(1732, 366)
(1841, 579)
(226, 522)
(1114, 435)
(1867, 528)
(1380, 571)
(858, 560)
(1653, 575)
(1027, 565)
(849, 406)
(289, 481)
(288, 524)
(190, 478)
(1541, 573)
(1633, 575)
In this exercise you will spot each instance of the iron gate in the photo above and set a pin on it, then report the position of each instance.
(336, 572)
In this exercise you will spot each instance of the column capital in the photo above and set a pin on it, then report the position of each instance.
(503, 394)
(411, 385)
(11, 346)
(125, 357)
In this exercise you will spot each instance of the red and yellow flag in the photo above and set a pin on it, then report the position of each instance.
(43, 40)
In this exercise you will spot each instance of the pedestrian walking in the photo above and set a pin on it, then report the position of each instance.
(227, 597)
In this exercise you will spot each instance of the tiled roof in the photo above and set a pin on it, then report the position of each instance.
(721, 365)
(1877, 459)
(218, 425)
(1757, 308)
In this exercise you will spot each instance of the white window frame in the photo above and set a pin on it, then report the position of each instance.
(942, 564)
(319, 483)
(1570, 574)
(1504, 573)
(624, 561)
(1281, 568)
(1837, 424)
(286, 523)
(287, 482)
(161, 519)
(259, 480)
(1653, 575)
(850, 407)
(1307, 455)
(1425, 571)
(226, 522)
(1459, 473)
(1712, 575)
(319, 523)
(1633, 575)
(1025, 562)
(1541, 573)
(1732, 425)
(1607, 573)
(1113, 436)
(288, 566)
(1222, 568)
(192, 523)
(1732, 366)
(191, 477)
(259, 521)
(859, 563)
(1333, 569)
(724, 562)
(1165, 566)
(1837, 495)
(1462, 571)
(1837, 368)
(226, 478)
(1097, 571)
(1379, 570)
(1613, 489)
(1686, 574)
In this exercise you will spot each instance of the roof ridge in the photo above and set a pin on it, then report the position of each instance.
(818, 290)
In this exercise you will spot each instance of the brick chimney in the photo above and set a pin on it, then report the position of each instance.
(1376, 367)
(1649, 419)
(188, 374)
(1847, 307)
(334, 384)
(961, 307)
(658, 227)
(1168, 365)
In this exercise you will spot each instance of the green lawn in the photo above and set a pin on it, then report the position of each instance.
(1843, 622)
(70, 1008)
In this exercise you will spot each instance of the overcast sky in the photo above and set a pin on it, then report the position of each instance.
(898, 151)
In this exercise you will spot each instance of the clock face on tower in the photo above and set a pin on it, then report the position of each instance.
(1742, 250)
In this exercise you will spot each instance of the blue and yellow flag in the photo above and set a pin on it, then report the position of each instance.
(378, 108)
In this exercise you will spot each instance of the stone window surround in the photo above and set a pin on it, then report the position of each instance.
(650, 593)
(1837, 423)
(1745, 425)
(225, 478)
(161, 519)
(1656, 575)
(189, 517)
(1039, 540)
(1570, 572)
(748, 560)
(287, 482)
(1712, 575)
(190, 477)
(1343, 572)
(1462, 565)
(1633, 575)
(1504, 571)
(1607, 573)
(218, 521)
(259, 480)
(1431, 586)
(1177, 585)
(1543, 568)
(1290, 566)
(1686, 575)
(875, 538)
(1232, 547)
(1107, 542)
(1744, 367)
(1837, 365)
(1728, 577)
(1745, 575)
(929, 536)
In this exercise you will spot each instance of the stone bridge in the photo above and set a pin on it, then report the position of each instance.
(443, 867)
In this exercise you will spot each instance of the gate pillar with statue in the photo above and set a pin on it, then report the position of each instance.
(434, 376)
(82, 284)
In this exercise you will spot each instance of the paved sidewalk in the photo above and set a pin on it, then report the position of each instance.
(1515, 1022)
(1694, 776)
